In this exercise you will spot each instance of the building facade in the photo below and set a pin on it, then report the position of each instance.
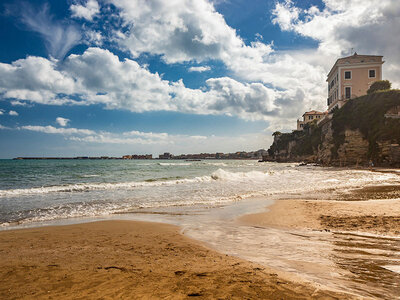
(351, 77)
(309, 117)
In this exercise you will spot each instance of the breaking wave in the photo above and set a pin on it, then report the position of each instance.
(219, 175)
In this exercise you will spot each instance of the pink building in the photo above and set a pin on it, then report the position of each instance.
(351, 77)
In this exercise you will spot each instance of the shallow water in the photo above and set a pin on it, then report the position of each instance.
(44, 190)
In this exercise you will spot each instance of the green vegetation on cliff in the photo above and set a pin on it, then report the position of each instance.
(367, 114)
(305, 141)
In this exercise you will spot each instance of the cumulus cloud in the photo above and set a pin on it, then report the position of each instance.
(85, 11)
(126, 85)
(1, 112)
(367, 27)
(59, 37)
(13, 113)
(62, 121)
(285, 14)
(181, 31)
(199, 69)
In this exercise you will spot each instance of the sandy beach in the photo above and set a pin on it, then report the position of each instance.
(373, 210)
(132, 260)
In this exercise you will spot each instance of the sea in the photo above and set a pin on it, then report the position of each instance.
(204, 198)
(33, 191)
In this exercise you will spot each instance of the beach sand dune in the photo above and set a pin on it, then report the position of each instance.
(131, 260)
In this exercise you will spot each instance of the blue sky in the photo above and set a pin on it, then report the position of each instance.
(108, 77)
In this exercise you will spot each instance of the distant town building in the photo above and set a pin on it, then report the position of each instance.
(166, 155)
(351, 77)
(136, 156)
(309, 117)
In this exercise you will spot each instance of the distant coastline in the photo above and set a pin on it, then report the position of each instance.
(219, 155)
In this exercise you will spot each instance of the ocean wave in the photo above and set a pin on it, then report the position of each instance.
(261, 178)
(104, 208)
(174, 164)
(84, 187)
(219, 175)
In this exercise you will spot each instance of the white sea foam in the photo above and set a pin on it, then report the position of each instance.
(268, 178)
(231, 183)
(83, 187)
(174, 164)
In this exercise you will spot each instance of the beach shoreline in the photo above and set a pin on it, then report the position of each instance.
(122, 259)
(370, 210)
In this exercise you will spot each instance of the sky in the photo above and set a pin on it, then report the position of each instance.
(116, 77)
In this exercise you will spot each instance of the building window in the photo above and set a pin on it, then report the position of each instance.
(348, 92)
(371, 74)
(347, 75)
(310, 117)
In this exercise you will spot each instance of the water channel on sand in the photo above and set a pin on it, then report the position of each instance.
(362, 265)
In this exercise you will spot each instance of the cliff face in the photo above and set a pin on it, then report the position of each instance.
(365, 129)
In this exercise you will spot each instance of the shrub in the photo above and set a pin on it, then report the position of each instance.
(379, 85)
(276, 133)
(367, 114)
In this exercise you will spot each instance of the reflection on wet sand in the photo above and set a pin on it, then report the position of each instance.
(341, 261)
(369, 260)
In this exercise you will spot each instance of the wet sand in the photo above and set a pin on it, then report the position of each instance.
(132, 260)
(368, 210)
(358, 232)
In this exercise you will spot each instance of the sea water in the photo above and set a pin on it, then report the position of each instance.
(44, 190)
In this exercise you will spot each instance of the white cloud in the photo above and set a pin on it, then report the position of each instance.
(126, 85)
(62, 121)
(199, 69)
(181, 31)
(1, 112)
(285, 13)
(368, 27)
(54, 130)
(18, 103)
(59, 37)
(13, 113)
(88, 11)
(161, 136)
(158, 142)
(93, 37)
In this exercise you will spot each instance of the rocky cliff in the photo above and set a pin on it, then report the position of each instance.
(365, 129)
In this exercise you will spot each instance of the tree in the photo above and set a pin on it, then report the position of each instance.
(276, 133)
(379, 85)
